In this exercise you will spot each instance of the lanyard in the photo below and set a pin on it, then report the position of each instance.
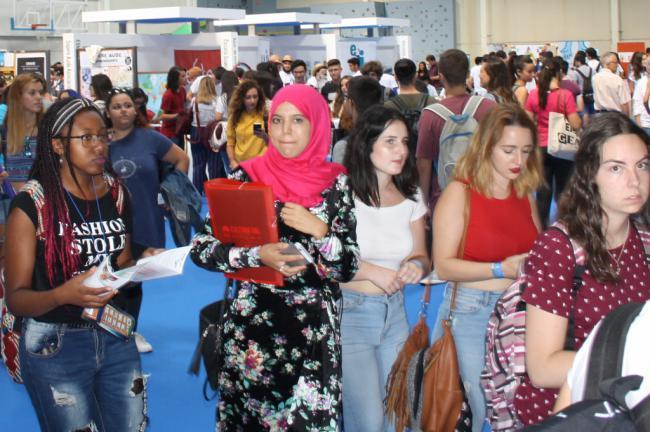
(99, 210)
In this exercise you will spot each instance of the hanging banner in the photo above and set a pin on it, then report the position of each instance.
(119, 64)
(204, 59)
(32, 62)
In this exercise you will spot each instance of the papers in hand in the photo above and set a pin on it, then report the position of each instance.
(165, 264)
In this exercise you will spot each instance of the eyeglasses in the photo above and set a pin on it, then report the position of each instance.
(88, 140)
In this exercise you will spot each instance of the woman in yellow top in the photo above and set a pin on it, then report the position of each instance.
(246, 135)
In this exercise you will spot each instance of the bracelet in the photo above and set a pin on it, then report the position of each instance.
(417, 263)
(497, 270)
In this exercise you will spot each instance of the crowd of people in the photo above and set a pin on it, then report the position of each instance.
(379, 177)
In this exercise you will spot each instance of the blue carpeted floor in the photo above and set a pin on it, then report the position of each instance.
(169, 320)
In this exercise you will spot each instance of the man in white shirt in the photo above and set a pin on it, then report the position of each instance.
(285, 73)
(636, 361)
(611, 93)
(475, 80)
(353, 64)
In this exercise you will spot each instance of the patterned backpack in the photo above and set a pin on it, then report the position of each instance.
(505, 343)
(9, 336)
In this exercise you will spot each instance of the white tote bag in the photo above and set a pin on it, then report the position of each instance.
(563, 141)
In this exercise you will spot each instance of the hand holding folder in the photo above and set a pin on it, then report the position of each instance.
(243, 214)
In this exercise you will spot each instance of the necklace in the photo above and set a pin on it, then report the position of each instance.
(99, 211)
(620, 254)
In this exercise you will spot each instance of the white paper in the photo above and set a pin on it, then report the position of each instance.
(165, 264)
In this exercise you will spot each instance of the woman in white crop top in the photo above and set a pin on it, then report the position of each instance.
(390, 233)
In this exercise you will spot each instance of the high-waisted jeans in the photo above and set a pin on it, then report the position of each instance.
(373, 330)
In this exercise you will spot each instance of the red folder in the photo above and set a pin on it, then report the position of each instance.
(244, 214)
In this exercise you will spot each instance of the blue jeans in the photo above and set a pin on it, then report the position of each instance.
(468, 326)
(82, 378)
(373, 330)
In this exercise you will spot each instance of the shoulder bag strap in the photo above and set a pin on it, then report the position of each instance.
(461, 247)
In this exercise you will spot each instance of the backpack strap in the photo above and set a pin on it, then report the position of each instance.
(606, 358)
(468, 110)
(472, 105)
(35, 191)
(578, 272)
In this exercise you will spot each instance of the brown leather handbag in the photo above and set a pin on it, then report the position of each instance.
(425, 391)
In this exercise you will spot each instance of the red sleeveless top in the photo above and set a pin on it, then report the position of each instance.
(498, 228)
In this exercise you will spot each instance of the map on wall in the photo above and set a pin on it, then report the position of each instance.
(120, 64)
(154, 85)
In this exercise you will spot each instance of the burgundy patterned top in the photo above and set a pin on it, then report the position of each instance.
(549, 269)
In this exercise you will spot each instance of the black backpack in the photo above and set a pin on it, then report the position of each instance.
(412, 116)
(604, 407)
(587, 88)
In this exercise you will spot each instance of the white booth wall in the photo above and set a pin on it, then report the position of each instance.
(155, 53)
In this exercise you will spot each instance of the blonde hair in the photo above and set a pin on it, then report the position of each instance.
(475, 165)
(15, 121)
(207, 91)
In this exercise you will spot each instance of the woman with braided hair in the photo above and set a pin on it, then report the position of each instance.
(70, 216)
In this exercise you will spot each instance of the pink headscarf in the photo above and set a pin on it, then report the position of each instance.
(302, 179)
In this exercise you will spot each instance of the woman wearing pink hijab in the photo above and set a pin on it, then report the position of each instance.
(282, 368)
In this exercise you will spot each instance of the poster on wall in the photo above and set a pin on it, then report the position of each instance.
(204, 59)
(119, 64)
(32, 62)
(154, 85)
(363, 50)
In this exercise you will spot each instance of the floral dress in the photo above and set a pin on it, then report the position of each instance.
(282, 368)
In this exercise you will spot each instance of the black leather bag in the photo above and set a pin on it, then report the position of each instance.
(212, 319)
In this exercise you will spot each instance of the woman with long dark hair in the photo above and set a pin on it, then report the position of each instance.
(546, 98)
(136, 153)
(422, 73)
(496, 79)
(491, 203)
(522, 71)
(100, 86)
(602, 212)
(246, 135)
(390, 214)
(173, 103)
(70, 216)
(281, 344)
(636, 70)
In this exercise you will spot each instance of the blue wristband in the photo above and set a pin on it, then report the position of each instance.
(497, 270)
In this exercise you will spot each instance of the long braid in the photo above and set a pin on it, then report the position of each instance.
(59, 249)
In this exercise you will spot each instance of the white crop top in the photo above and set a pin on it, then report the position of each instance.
(384, 233)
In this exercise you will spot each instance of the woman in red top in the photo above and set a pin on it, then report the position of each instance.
(609, 187)
(173, 103)
(498, 173)
(546, 98)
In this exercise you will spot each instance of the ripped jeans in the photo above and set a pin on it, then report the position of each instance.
(82, 378)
